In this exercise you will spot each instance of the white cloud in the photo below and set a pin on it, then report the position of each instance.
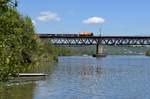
(34, 22)
(48, 16)
(94, 20)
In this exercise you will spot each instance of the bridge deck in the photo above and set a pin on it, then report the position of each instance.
(74, 39)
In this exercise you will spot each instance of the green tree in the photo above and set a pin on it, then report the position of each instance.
(17, 44)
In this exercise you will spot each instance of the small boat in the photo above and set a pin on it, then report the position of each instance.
(85, 55)
(99, 55)
(31, 74)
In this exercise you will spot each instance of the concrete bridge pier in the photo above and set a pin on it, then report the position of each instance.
(99, 51)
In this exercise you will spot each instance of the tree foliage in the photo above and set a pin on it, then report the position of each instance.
(17, 44)
(19, 47)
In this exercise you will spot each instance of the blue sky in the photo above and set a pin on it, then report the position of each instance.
(115, 17)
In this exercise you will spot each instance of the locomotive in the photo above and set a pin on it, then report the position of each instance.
(86, 34)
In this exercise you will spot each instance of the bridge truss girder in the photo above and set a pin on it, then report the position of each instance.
(116, 41)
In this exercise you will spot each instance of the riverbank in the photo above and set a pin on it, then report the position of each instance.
(110, 50)
(21, 82)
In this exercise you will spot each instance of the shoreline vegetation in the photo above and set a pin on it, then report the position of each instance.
(147, 53)
(20, 49)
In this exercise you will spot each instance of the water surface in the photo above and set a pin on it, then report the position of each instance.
(79, 77)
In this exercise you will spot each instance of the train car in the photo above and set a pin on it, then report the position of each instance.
(66, 35)
(86, 34)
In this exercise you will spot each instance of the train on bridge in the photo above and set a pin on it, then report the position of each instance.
(87, 38)
(80, 34)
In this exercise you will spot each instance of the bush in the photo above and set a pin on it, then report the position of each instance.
(147, 53)
(17, 45)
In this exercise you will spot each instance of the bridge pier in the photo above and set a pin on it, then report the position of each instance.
(99, 51)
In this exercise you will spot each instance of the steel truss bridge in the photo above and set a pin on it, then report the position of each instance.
(75, 39)
(99, 41)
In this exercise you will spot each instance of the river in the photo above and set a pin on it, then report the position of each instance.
(85, 77)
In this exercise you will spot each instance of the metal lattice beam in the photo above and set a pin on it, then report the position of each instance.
(94, 40)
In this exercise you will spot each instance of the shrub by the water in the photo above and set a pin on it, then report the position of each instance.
(147, 53)
(17, 45)
(20, 49)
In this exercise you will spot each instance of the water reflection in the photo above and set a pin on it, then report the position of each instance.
(113, 77)
(22, 91)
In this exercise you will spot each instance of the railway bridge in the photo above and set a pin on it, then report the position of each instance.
(98, 41)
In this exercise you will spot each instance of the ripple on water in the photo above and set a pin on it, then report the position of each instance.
(112, 77)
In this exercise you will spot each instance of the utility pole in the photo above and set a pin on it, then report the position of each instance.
(100, 31)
